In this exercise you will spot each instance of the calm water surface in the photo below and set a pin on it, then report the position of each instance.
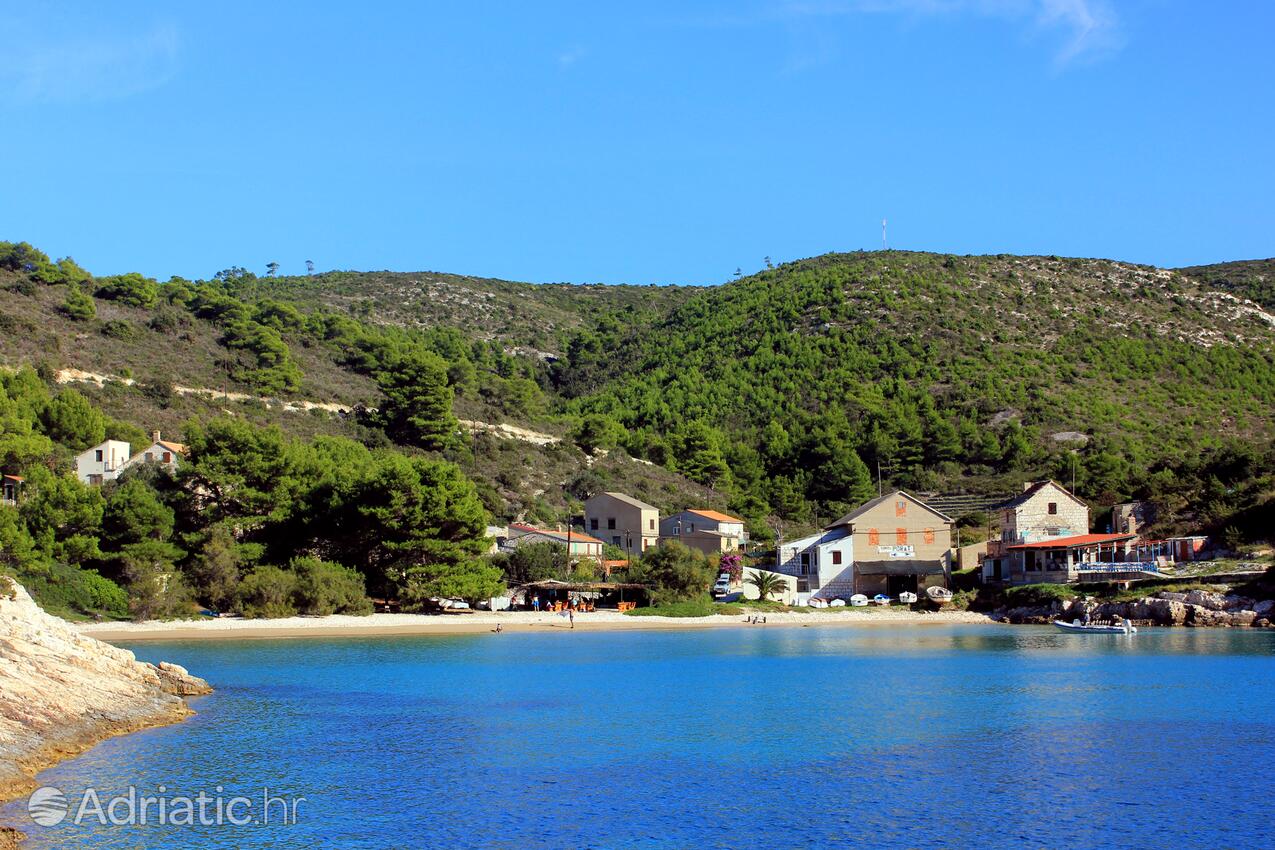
(968, 736)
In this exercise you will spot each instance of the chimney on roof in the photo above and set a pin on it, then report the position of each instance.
(154, 436)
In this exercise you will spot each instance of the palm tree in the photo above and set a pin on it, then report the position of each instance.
(767, 583)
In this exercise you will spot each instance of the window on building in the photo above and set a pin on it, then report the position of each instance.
(836, 556)
(615, 540)
(690, 529)
(610, 522)
(593, 524)
(874, 537)
(651, 524)
(1053, 508)
(929, 537)
(99, 455)
(900, 537)
(900, 508)
(168, 457)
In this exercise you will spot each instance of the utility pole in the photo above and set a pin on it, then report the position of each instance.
(883, 243)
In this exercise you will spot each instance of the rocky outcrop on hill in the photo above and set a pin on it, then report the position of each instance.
(1195, 608)
(61, 692)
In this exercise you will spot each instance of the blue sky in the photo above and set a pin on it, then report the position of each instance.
(642, 142)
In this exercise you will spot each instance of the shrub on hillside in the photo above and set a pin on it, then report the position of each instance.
(66, 589)
(78, 305)
(119, 329)
(132, 289)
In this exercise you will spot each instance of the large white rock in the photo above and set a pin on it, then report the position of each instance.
(62, 691)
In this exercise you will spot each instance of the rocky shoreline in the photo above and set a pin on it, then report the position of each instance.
(1197, 608)
(62, 692)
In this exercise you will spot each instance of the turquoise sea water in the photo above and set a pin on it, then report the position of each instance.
(938, 736)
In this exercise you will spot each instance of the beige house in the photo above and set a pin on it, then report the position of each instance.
(711, 532)
(892, 544)
(622, 521)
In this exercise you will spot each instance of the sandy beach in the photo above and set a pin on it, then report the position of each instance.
(233, 628)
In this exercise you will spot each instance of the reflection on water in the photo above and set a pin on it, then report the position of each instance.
(754, 737)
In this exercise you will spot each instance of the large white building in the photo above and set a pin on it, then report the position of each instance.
(892, 544)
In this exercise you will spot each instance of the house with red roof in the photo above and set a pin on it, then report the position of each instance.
(164, 452)
(711, 532)
(577, 543)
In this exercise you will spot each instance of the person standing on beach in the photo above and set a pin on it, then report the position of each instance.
(571, 615)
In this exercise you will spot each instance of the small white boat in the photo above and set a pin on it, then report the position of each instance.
(837, 603)
(907, 598)
(816, 602)
(859, 600)
(1125, 628)
(880, 599)
(939, 596)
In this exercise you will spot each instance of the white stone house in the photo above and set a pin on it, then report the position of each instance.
(104, 462)
(815, 559)
(1044, 511)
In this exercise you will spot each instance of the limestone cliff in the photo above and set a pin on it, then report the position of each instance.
(61, 692)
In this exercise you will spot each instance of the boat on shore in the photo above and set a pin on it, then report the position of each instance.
(938, 596)
(907, 598)
(1077, 627)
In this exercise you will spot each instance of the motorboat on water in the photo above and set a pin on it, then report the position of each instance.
(1124, 627)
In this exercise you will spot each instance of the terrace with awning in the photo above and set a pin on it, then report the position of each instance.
(1083, 557)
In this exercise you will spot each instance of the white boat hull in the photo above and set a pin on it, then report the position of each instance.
(1077, 627)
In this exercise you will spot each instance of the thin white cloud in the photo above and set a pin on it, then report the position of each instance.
(569, 57)
(39, 66)
(1088, 29)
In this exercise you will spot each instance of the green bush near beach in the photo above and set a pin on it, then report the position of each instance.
(686, 608)
(1038, 594)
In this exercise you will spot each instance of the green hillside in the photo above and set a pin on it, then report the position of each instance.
(786, 392)
(952, 373)
(1252, 279)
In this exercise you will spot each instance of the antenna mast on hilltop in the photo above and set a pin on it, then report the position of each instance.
(883, 248)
